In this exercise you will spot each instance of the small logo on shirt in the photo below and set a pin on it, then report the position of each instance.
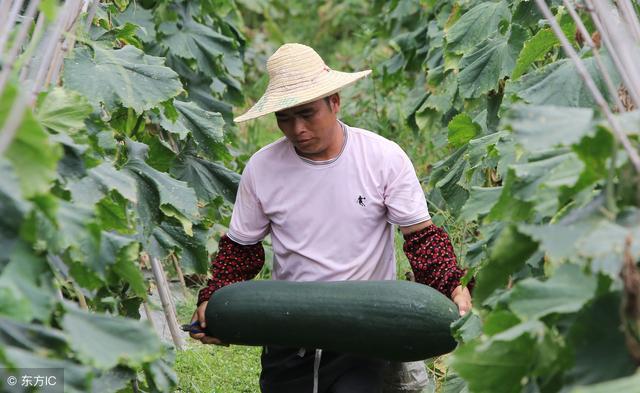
(361, 200)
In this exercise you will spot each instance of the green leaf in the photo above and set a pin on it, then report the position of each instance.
(467, 328)
(568, 289)
(28, 279)
(594, 239)
(192, 40)
(507, 207)
(76, 376)
(167, 238)
(510, 251)
(99, 182)
(594, 151)
(500, 364)
(540, 182)
(627, 385)
(545, 127)
(534, 49)
(206, 127)
(105, 341)
(141, 18)
(481, 201)
(63, 111)
(559, 83)
(476, 25)
(12, 207)
(158, 190)
(462, 129)
(33, 155)
(208, 179)
(124, 76)
(490, 61)
(599, 350)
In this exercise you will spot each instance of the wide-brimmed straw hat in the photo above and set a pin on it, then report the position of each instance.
(298, 75)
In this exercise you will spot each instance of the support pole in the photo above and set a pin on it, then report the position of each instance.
(167, 303)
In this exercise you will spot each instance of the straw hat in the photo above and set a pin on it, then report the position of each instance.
(298, 75)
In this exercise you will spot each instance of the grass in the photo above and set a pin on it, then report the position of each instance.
(217, 369)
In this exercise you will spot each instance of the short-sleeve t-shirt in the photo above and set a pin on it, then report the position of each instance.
(329, 220)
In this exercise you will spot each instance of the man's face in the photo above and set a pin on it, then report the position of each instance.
(311, 127)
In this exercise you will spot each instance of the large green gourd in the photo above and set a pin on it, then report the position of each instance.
(393, 320)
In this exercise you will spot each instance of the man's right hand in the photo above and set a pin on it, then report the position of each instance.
(198, 315)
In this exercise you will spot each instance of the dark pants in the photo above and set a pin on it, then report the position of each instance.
(285, 371)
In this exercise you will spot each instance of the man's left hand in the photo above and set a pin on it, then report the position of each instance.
(462, 298)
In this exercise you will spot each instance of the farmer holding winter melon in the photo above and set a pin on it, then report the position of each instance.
(329, 194)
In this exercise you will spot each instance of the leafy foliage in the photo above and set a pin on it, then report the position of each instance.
(123, 159)
(530, 160)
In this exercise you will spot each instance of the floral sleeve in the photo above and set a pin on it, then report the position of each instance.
(234, 263)
(433, 260)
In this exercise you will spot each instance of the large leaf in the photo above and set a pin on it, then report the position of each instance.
(481, 201)
(545, 127)
(568, 289)
(26, 286)
(593, 239)
(33, 155)
(559, 83)
(476, 25)
(206, 127)
(105, 341)
(141, 18)
(208, 179)
(12, 207)
(599, 347)
(500, 364)
(627, 385)
(192, 250)
(124, 76)
(490, 61)
(510, 252)
(158, 190)
(63, 111)
(189, 39)
(461, 130)
(100, 181)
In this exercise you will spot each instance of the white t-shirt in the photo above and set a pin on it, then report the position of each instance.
(329, 220)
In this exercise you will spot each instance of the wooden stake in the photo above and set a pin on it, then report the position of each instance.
(165, 299)
(147, 312)
(176, 265)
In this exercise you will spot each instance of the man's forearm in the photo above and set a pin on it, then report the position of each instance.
(433, 259)
(233, 263)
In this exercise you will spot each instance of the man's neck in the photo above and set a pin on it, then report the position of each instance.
(334, 148)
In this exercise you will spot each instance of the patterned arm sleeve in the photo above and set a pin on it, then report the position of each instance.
(234, 263)
(433, 260)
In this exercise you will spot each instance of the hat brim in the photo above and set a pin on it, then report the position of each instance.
(274, 100)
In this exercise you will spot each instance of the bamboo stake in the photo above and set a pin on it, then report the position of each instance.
(613, 92)
(169, 311)
(147, 312)
(4, 7)
(607, 42)
(622, 45)
(6, 27)
(50, 48)
(81, 299)
(64, 47)
(35, 37)
(168, 289)
(183, 283)
(584, 74)
(9, 62)
(627, 11)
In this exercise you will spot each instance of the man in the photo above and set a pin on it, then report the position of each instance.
(329, 195)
